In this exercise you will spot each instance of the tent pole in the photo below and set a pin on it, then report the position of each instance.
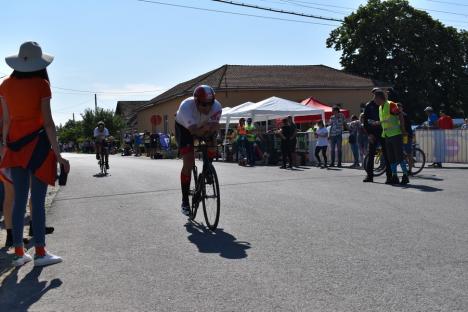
(225, 138)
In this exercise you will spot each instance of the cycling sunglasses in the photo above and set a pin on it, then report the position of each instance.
(208, 104)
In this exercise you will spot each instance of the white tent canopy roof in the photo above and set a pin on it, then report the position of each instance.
(271, 108)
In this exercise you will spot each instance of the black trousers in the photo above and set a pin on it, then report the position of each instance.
(286, 151)
(370, 163)
(324, 154)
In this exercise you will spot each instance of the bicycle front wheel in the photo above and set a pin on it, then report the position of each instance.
(210, 197)
(193, 192)
(419, 160)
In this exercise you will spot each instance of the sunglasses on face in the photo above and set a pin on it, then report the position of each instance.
(205, 104)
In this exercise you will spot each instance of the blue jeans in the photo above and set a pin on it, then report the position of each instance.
(21, 181)
(335, 144)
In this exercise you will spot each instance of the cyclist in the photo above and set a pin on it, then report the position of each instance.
(197, 116)
(101, 133)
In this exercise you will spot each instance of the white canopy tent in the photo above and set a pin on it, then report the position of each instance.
(271, 108)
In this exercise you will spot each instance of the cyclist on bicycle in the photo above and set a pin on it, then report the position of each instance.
(101, 133)
(198, 116)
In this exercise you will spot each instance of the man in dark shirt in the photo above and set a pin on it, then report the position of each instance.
(374, 130)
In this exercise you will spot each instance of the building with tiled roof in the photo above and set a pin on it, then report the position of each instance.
(236, 84)
(128, 111)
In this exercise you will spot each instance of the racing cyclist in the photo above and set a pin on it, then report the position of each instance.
(101, 133)
(198, 116)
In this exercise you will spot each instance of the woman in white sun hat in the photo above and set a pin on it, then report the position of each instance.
(29, 145)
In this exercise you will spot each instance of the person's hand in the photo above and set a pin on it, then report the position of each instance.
(65, 163)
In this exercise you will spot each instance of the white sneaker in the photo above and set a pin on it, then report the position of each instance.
(19, 261)
(48, 259)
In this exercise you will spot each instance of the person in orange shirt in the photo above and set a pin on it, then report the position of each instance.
(29, 145)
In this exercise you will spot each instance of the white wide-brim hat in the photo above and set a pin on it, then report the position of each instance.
(30, 58)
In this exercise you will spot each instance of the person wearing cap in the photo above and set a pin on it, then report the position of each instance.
(29, 145)
(393, 128)
(293, 140)
(371, 123)
(432, 118)
(337, 124)
(251, 135)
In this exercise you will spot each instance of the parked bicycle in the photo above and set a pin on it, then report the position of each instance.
(416, 160)
(206, 190)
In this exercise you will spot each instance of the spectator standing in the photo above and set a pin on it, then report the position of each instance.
(432, 118)
(362, 139)
(137, 141)
(250, 143)
(372, 126)
(322, 143)
(465, 124)
(293, 140)
(353, 127)
(241, 141)
(337, 124)
(393, 129)
(147, 142)
(285, 133)
(25, 98)
(444, 122)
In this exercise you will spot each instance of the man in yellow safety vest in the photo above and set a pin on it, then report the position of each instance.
(393, 129)
(250, 144)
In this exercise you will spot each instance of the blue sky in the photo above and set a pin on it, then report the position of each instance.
(121, 48)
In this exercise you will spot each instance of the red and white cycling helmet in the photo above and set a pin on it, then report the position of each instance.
(204, 94)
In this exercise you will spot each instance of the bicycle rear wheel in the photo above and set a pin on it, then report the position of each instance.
(210, 197)
(419, 160)
(379, 164)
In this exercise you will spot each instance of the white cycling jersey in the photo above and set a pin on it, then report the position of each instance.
(188, 115)
(101, 135)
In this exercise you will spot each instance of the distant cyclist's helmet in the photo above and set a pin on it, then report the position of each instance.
(101, 123)
(204, 94)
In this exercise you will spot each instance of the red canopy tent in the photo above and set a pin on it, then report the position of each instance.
(314, 103)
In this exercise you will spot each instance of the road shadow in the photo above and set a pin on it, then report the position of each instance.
(422, 188)
(427, 177)
(101, 175)
(20, 296)
(218, 242)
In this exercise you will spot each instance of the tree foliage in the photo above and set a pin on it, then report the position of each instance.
(393, 42)
(77, 131)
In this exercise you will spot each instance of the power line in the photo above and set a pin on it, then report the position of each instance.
(298, 3)
(235, 13)
(277, 10)
(107, 92)
(445, 12)
(449, 3)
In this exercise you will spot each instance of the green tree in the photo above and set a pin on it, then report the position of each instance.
(71, 131)
(90, 119)
(393, 42)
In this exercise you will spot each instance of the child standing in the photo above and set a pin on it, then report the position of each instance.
(322, 144)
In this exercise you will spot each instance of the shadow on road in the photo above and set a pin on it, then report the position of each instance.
(427, 177)
(218, 242)
(422, 188)
(101, 175)
(20, 296)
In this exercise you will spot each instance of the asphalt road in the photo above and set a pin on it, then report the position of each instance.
(302, 240)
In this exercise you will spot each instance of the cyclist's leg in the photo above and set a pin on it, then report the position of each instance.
(106, 155)
(98, 150)
(185, 142)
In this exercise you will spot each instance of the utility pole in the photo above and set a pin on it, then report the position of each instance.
(95, 104)
(73, 117)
